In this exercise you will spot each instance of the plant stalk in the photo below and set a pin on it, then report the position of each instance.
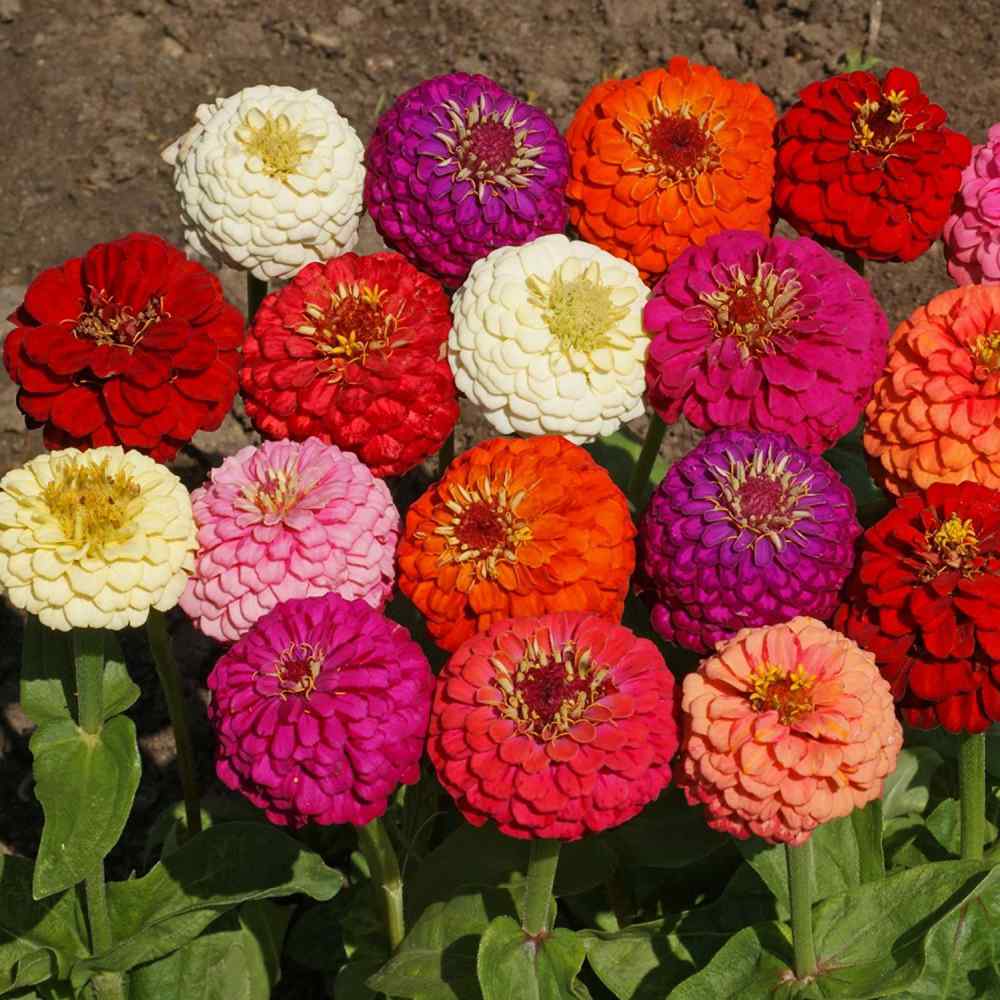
(381, 857)
(256, 290)
(972, 794)
(446, 455)
(170, 681)
(867, 825)
(800, 870)
(542, 865)
(647, 457)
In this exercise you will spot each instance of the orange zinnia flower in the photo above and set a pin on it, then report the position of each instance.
(667, 159)
(935, 414)
(516, 528)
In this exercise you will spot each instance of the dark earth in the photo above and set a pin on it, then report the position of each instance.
(93, 91)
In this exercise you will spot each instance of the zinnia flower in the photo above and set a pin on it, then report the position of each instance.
(667, 159)
(270, 179)
(458, 166)
(935, 414)
(288, 520)
(746, 529)
(130, 344)
(548, 339)
(321, 711)
(925, 599)
(352, 352)
(972, 233)
(868, 164)
(785, 727)
(555, 726)
(516, 528)
(94, 539)
(752, 333)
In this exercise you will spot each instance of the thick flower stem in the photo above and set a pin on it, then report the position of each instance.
(972, 794)
(644, 464)
(867, 825)
(447, 453)
(170, 681)
(256, 290)
(856, 261)
(542, 866)
(800, 870)
(381, 857)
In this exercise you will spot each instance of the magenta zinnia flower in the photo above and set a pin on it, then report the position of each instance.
(287, 520)
(458, 166)
(751, 333)
(321, 711)
(747, 529)
(972, 233)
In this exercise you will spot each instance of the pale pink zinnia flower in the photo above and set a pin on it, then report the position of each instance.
(786, 727)
(286, 520)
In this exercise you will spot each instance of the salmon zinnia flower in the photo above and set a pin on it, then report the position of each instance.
(786, 727)
(516, 528)
(935, 414)
(667, 159)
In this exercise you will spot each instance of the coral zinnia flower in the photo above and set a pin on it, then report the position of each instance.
(764, 334)
(351, 351)
(270, 179)
(925, 599)
(458, 166)
(786, 727)
(288, 520)
(548, 339)
(130, 344)
(746, 529)
(321, 711)
(555, 726)
(868, 165)
(516, 528)
(667, 159)
(972, 233)
(935, 414)
(94, 539)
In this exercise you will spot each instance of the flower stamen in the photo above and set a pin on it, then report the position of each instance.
(773, 688)
(297, 668)
(879, 125)
(953, 545)
(111, 324)
(280, 145)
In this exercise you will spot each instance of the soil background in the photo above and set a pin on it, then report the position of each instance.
(94, 89)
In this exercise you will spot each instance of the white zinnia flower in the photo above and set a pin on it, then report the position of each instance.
(548, 339)
(270, 179)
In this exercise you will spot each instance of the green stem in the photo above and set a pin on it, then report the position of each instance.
(542, 864)
(800, 870)
(381, 857)
(972, 794)
(170, 681)
(867, 825)
(856, 261)
(447, 454)
(644, 464)
(256, 290)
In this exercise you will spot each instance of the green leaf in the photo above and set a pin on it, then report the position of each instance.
(907, 790)
(512, 966)
(945, 825)
(849, 459)
(86, 785)
(618, 453)
(230, 864)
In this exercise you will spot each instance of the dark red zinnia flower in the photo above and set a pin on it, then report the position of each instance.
(131, 344)
(868, 165)
(925, 599)
(353, 351)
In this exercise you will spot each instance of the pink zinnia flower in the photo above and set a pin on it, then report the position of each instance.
(321, 711)
(751, 333)
(972, 233)
(786, 727)
(554, 726)
(288, 520)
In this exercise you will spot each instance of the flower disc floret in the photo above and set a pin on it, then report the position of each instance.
(972, 233)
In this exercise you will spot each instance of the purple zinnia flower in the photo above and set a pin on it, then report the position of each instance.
(321, 711)
(752, 333)
(457, 167)
(747, 529)
(972, 233)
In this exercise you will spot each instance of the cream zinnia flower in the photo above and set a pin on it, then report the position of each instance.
(270, 179)
(548, 339)
(94, 539)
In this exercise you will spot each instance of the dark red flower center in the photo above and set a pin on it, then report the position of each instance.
(546, 692)
(297, 668)
(673, 145)
(481, 527)
(678, 141)
(111, 323)
(760, 496)
(880, 124)
(775, 689)
(492, 144)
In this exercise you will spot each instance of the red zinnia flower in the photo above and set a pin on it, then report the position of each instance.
(131, 344)
(868, 165)
(925, 599)
(353, 351)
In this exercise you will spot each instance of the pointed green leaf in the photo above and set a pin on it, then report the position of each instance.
(512, 966)
(848, 457)
(907, 790)
(945, 825)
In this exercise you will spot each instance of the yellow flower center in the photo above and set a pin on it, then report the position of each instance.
(109, 323)
(774, 689)
(580, 312)
(986, 350)
(297, 668)
(280, 145)
(92, 506)
(278, 493)
(879, 125)
(952, 545)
